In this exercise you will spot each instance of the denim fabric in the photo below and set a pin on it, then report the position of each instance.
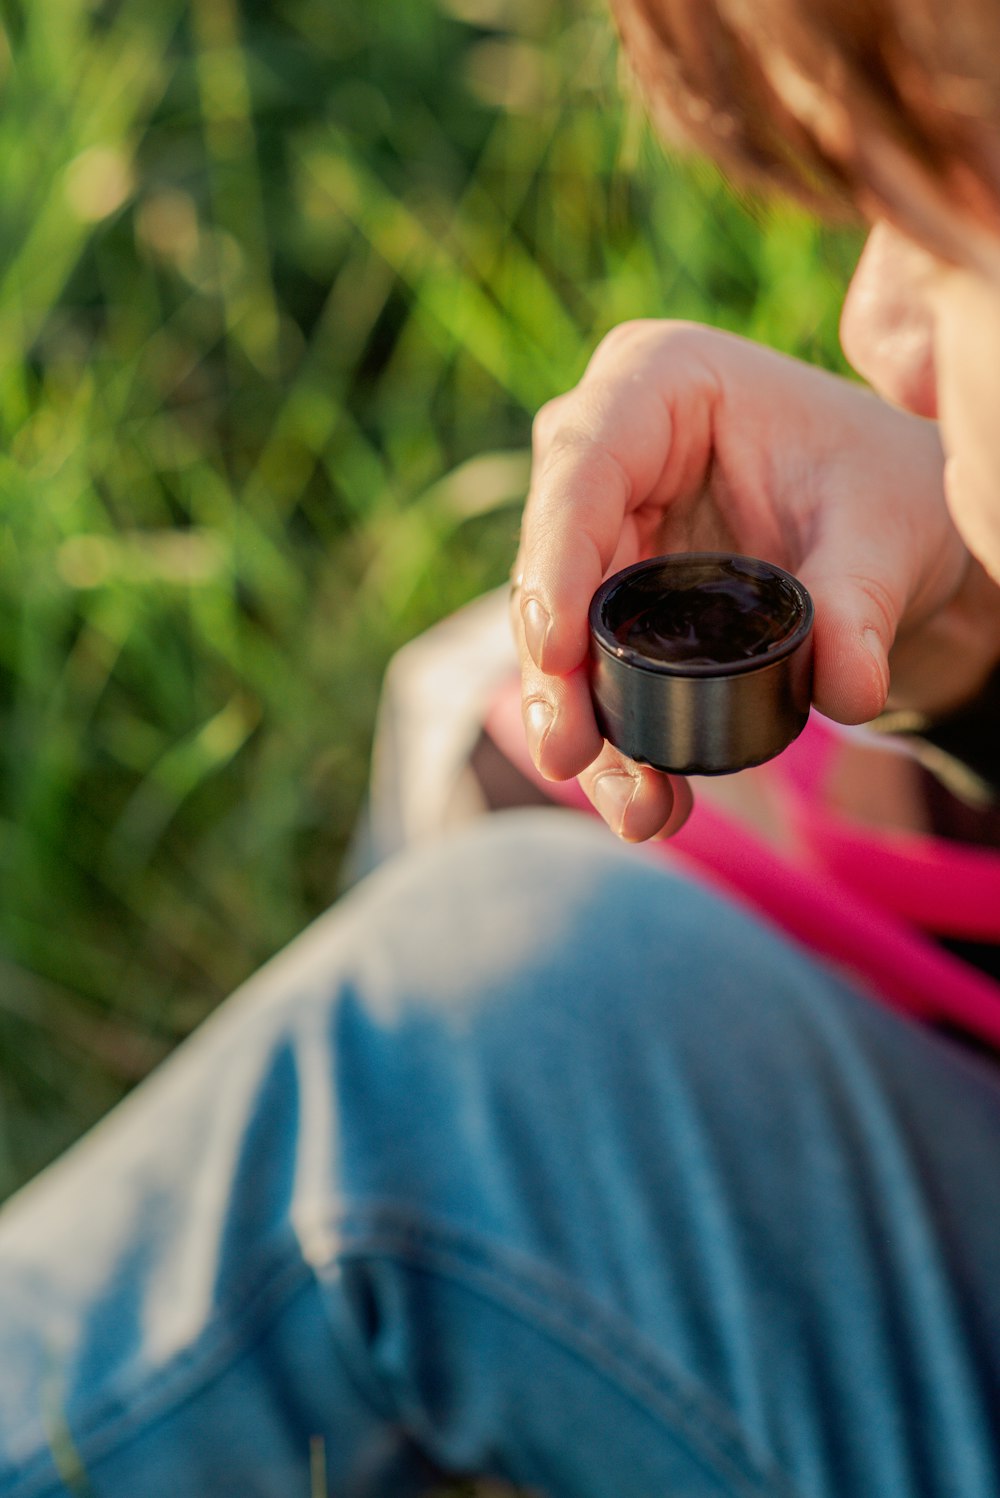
(529, 1159)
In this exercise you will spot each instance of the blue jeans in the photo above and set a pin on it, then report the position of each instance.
(529, 1159)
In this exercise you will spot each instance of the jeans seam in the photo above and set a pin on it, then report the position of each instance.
(542, 1298)
(512, 1280)
(99, 1430)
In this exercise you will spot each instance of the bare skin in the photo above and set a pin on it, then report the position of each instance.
(681, 438)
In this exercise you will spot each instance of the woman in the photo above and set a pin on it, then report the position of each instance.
(681, 438)
(533, 1159)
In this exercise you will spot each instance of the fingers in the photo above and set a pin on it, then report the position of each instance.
(883, 557)
(682, 439)
(572, 528)
(636, 801)
(559, 725)
(605, 462)
(855, 625)
(601, 454)
(851, 671)
(864, 586)
(603, 458)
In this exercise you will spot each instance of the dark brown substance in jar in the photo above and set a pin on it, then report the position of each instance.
(712, 614)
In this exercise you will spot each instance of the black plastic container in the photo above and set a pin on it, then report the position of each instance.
(702, 661)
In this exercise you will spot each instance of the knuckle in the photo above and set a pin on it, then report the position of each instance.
(546, 423)
(626, 333)
(884, 604)
(626, 340)
(572, 447)
(641, 338)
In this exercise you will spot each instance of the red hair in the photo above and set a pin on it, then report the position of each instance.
(836, 101)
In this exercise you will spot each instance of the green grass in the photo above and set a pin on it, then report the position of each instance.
(281, 285)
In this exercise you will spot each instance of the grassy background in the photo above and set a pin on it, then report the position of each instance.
(281, 283)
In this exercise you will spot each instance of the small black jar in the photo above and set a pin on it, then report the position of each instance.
(701, 662)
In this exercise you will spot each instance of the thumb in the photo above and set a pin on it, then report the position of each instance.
(856, 619)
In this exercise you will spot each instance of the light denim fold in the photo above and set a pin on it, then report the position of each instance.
(535, 1159)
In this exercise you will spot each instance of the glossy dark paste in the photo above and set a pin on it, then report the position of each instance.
(710, 613)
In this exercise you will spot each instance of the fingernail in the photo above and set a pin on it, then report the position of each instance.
(614, 792)
(538, 719)
(537, 624)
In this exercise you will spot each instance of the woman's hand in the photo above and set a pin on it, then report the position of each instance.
(682, 438)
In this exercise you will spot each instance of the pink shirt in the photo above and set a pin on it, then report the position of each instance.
(868, 901)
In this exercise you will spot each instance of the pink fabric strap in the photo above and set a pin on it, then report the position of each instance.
(947, 887)
(857, 898)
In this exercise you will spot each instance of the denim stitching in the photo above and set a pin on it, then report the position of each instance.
(595, 1333)
(101, 1430)
(520, 1285)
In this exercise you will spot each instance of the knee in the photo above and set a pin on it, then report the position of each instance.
(533, 965)
(468, 924)
(546, 914)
